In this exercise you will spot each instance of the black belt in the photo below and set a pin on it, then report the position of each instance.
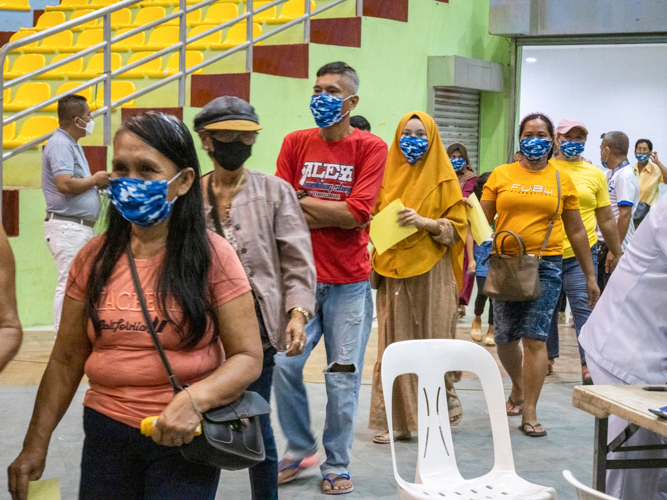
(76, 220)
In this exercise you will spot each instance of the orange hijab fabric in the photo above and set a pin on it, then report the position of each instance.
(431, 187)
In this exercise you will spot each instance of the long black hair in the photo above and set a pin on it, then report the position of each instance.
(184, 274)
(545, 119)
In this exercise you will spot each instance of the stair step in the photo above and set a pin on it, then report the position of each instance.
(396, 10)
(289, 60)
(205, 88)
(341, 31)
(10, 212)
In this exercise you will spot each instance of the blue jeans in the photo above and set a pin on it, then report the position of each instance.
(120, 463)
(515, 320)
(344, 316)
(264, 476)
(574, 284)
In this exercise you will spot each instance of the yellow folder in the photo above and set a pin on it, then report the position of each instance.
(481, 231)
(46, 489)
(385, 231)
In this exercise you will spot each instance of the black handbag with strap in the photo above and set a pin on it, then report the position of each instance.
(231, 437)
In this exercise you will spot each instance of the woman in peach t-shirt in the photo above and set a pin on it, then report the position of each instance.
(196, 291)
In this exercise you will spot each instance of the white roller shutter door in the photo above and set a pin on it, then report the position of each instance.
(456, 112)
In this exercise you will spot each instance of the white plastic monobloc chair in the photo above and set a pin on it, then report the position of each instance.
(585, 492)
(437, 473)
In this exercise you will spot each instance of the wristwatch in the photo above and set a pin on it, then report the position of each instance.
(303, 312)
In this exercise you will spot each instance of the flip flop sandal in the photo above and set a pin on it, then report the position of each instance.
(511, 412)
(454, 410)
(332, 481)
(299, 467)
(384, 437)
(532, 432)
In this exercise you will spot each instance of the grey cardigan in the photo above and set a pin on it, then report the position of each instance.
(275, 249)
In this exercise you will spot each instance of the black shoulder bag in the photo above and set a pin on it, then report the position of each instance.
(231, 436)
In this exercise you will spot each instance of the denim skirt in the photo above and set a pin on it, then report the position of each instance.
(515, 320)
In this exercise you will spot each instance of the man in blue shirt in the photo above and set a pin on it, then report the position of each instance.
(72, 202)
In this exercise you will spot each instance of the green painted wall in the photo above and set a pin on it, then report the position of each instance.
(392, 66)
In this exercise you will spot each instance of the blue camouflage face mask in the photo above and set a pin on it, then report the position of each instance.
(458, 163)
(326, 109)
(571, 149)
(534, 149)
(642, 158)
(141, 202)
(413, 147)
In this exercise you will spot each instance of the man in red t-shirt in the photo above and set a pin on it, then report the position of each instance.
(337, 171)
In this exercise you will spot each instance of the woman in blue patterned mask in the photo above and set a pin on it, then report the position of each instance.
(196, 291)
(458, 156)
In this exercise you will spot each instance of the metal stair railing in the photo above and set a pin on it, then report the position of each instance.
(110, 75)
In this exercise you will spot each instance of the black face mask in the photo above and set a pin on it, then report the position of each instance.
(230, 155)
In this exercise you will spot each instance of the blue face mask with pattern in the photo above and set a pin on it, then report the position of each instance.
(413, 147)
(326, 109)
(458, 163)
(535, 148)
(571, 149)
(141, 202)
(642, 158)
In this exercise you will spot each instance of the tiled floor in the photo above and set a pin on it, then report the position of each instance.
(568, 445)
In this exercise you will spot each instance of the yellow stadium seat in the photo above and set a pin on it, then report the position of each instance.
(148, 15)
(6, 95)
(121, 18)
(191, 19)
(95, 23)
(87, 93)
(22, 34)
(24, 64)
(48, 20)
(28, 95)
(290, 11)
(22, 5)
(86, 39)
(33, 128)
(160, 38)
(72, 68)
(165, 3)
(237, 35)
(192, 57)
(218, 14)
(263, 16)
(208, 41)
(118, 91)
(95, 66)
(8, 132)
(129, 43)
(151, 67)
(98, 4)
(68, 5)
(58, 42)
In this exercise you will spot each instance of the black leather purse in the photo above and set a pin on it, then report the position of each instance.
(231, 437)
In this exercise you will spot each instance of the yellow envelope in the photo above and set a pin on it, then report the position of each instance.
(481, 231)
(46, 489)
(385, 231)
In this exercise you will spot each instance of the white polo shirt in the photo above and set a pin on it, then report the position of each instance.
(623, 191)
(626, 334)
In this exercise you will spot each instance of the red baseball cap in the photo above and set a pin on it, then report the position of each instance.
(568, 124)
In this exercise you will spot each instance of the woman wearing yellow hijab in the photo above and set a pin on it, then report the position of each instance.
(420, 277)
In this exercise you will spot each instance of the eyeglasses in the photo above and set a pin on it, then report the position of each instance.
(233, 136)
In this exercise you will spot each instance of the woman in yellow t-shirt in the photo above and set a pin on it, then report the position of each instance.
(524, 196)
(591, 184)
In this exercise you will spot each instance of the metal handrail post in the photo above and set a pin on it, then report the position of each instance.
(250, 33)
(107, 80)
(306, 23)
(183, 36)
(360, 8)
